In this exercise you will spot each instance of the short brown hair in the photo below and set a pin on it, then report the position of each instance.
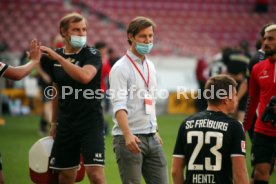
(137, 24)
(216, 83)
(67, 19)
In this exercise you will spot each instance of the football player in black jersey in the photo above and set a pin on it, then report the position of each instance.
(210, 144)
(77, 120)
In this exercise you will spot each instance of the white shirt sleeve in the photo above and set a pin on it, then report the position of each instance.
(118, 89)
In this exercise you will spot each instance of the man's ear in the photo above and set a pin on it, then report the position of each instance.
(225, 101)
(130, 37)
(62, 32)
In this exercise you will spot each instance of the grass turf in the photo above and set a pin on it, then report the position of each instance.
(19, 133)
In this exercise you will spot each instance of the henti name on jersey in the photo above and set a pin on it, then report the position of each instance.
(203, 178)
(207, 123)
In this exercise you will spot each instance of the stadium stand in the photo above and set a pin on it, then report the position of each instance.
(187, 28)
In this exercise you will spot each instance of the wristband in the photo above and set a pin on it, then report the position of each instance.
(54, 123)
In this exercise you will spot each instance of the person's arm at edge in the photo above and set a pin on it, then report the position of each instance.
(54, 111)
(239, 169)
(19, 72)
(177, 171)
(81, 74)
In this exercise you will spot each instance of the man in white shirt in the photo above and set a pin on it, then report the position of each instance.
(132, 84)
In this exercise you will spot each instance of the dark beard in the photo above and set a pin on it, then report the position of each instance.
(269, 53)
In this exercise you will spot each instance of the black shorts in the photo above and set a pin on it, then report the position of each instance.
(263, 149)
(70, 142)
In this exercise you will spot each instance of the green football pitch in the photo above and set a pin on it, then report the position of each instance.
(20, 133)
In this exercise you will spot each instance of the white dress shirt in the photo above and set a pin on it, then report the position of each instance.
(127, 91)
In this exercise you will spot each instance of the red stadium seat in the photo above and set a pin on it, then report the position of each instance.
(180, 23)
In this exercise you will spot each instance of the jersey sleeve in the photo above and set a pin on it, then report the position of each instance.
(93, 57)
(47, 66)
(179, 148)
(3, 68)
(238, 147)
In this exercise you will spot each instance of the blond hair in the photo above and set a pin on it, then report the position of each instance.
(69, 18)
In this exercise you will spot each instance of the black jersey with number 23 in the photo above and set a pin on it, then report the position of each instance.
(207, 141)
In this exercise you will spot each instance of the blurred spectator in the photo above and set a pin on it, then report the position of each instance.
(15, 105)
(261, 6)
(216, 66)
(201, 75)
(237, 67)
(226, 52)
(112, 56)
(8, 56)
(3, 46)
(236, 63)
(244, 46)
(57, 41)
(101, 46)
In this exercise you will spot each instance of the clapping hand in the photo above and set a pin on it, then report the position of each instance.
(35, 52)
